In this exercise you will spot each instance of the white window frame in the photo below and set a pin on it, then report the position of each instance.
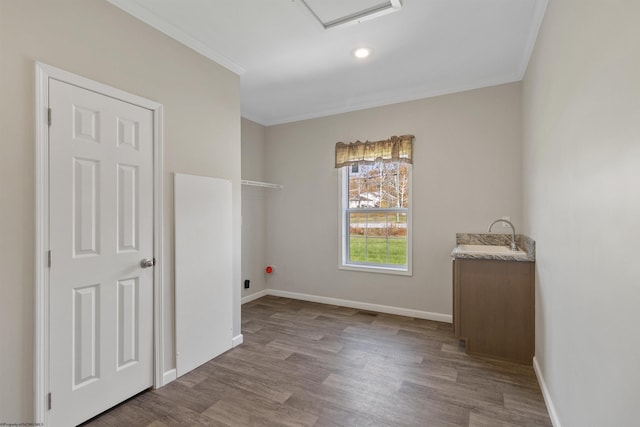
(343, 252)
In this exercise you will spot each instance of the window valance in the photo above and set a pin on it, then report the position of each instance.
(394, 149)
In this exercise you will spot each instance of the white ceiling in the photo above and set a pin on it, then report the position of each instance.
(291, 68)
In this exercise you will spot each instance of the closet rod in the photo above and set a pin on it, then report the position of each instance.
(261, 184)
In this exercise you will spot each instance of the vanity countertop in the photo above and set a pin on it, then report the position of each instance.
(493, 246)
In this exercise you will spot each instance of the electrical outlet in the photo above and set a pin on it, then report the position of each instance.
(504, 224)
(247, 283)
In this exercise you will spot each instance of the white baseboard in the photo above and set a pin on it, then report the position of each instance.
(545, 394)
(169, 376)
(237, 340)
(252, 297)
(362, 305)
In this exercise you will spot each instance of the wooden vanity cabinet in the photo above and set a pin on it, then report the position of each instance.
(494, 308)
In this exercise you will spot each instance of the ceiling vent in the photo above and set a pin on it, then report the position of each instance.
(338, 13)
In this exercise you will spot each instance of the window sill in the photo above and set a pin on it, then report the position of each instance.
(375, 269)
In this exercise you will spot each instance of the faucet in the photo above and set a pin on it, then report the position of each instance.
(513, 231)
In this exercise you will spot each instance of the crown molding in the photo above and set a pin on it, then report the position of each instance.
(414, 95)
(137, 11)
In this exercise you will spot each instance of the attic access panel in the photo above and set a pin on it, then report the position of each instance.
(334, 13)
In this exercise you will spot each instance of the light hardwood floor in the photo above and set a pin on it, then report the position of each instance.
(308, 364)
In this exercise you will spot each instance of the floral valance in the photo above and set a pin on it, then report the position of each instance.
(394, 149)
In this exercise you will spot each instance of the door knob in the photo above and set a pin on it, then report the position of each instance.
(147, 262)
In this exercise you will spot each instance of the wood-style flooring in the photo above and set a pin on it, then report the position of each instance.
(308, 364)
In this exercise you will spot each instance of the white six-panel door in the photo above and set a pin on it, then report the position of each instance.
(101, 228)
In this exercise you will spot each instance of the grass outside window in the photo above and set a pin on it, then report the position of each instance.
(378, 250)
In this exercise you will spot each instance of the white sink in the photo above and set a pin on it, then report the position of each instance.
(489, 250)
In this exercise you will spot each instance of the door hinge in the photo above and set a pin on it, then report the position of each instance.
(49, 401)
(49, 116)
(49, 259)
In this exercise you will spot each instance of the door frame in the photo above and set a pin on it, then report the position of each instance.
(43, 73)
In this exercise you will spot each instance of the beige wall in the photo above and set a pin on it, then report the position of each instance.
(96, 40)
(254, 215)
(582, 204)
(466, 174)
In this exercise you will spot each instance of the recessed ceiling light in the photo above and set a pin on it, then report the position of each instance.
(362, 52)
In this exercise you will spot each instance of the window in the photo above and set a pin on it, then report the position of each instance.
(376, 217)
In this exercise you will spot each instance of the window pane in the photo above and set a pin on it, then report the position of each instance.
(377, 224)
(397, 224)
(397, 238)
(357, 238)
(388, 191)
(358, 249)
(403, 185)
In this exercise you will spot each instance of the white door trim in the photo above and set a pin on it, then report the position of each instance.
(43, 73)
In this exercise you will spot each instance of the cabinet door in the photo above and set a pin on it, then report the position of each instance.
(495, 308)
